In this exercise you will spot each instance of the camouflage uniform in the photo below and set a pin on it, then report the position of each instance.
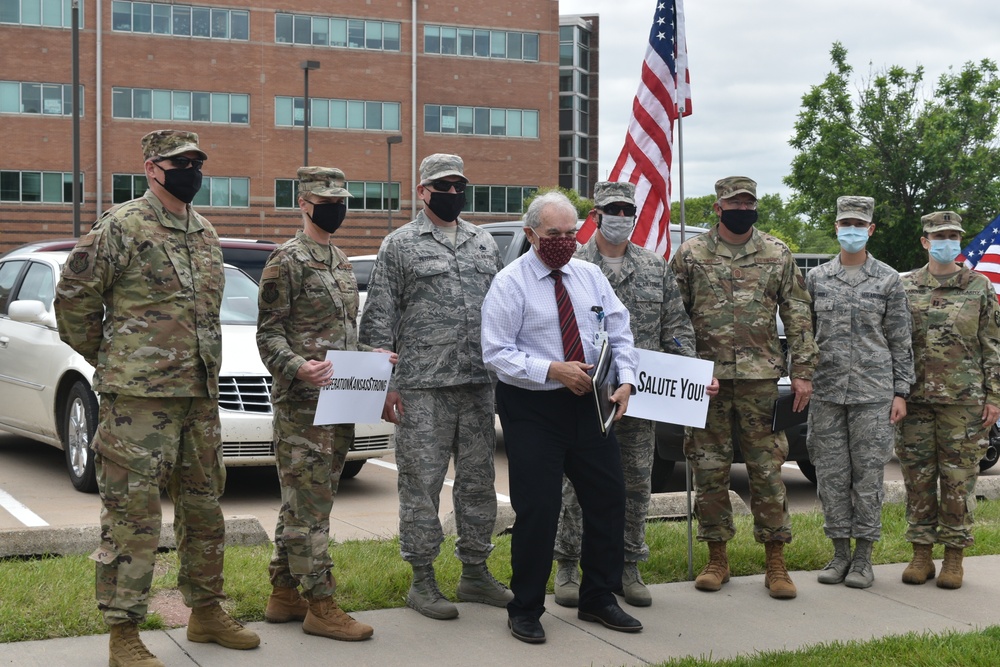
(424, 302)
(308, 304)
(956, 347)
(732, 299)
(139, 299)
(862, 326)
(658, 321)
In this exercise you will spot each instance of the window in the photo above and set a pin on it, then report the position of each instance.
(338, 114)
(38, 285)
(481, 121)
(222, 192)
(125, 187)
(497, 198)
(142, 103)
(177, 20)
(48, 13)
(22, 97)
(365, 195)
(48, 187)
(335, 32)
(509, 45)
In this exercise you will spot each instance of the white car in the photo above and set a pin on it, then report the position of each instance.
(45, 387)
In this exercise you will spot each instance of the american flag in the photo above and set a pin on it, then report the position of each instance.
(664, 94)
(983, 254)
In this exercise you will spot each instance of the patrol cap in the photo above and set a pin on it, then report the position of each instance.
(607, 192)
(942, 221)
(857, 208)
(734, 185)
(440, 165)
(168, 143)
(323, 181)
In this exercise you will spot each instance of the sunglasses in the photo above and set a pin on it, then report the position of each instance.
(182, 162)
(442, 185)
(620, 209)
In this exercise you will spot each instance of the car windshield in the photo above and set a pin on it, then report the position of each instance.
(239, 299)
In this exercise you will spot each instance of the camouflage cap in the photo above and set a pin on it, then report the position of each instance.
(734, 185)
(323, 181)
(856, 208)
(440, 165)
(168, 143)
(607, 192)
(942, 221)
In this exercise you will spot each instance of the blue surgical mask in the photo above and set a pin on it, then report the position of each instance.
(852, 239)
(945, 250)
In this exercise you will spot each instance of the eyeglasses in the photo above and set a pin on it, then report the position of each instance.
(442, 185)
(746, 204)
(182, 162)
(628, 210)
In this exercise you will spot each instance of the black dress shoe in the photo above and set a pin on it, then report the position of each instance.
(526, 629)
(611, 616)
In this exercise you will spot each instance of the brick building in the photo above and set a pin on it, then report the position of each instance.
(476, 78)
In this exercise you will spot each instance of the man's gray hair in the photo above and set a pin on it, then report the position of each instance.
(533, 216)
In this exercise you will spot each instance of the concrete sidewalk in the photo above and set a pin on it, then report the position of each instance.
(740, 619)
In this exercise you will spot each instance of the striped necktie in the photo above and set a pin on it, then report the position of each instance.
(572, 347)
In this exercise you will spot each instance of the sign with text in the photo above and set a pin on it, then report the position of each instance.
(671, 388)
(356, 393)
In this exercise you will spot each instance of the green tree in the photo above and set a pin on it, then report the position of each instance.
(913, 155)
(582, 204)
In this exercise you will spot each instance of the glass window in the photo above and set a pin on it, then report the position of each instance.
(584, 36)
(303, 30)
(481, 197)
(466, 42)
(161, 19)
(373, 34)
(565, 55)
(482, 120)
(465, 124)
(52, 185)
(584, 83)
(449, 41)
(357, 198)
(142, 17)
(10, 97)
(220, 108)
(338, 114)
(31, 186)
(220, 191)
(390, 116)
(513, 123)
(449, 119)
(121, 188)
(52, 13)
(432, 118)
(121, 103)
(284, 193)
(204, 196)
(432, 39)
(514, 45)
(498, 44)
(239, 107)
(297, 111)
(239, 192)
(320, 30)
(584, 61)
(283, 28)
(338, 32)
(52, 99)
(355, 115)
(10, 11)
(142, 103)
(201, 106)
(565, 82)
(565, 120)
(182, 20)
(498, 199)
(182, 105)
(31, 12)
(355, 34)
(201, 22)
(283, 111)
(529, 46)
(498, 122)
(373, 115)
(319, 113)
(514, 203)
(239, 25)
(390, 36)
(373, 197)
(482, 43)
(38, 285)
(529, 124)
(394, 196)
(121, 15)
(220, 24)
(565, 33)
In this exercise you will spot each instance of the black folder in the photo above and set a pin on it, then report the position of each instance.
(604, 382)
(784, 418)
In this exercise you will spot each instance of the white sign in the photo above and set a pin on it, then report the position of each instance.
(356, 393)
(671, 388)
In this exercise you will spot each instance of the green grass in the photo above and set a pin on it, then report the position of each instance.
(53, 597)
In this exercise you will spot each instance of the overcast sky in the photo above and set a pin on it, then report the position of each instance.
(751, 62)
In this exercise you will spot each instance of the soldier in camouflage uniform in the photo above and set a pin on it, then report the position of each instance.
(308, 304)
(956, 348)
(732, 280)
(424, 302)
(863, 378)
(646, 285)
(139, 299)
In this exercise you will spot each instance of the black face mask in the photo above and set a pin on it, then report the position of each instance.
(447, 206)
(181, 183)
(329, 217)
(738, 220)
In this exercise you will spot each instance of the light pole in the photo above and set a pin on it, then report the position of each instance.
(389, 141)
(306, 65)
(77, 186)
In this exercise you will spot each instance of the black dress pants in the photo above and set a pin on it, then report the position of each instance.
(546, 434)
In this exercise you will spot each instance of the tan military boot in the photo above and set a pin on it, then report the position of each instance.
(951, 568)
(776, 579)
(125, 649)
(284, 605)
(211, 623)
(634, 588)
(326, 619)
(567, 584)
(425, 596)
(716, 571)
(921, 568)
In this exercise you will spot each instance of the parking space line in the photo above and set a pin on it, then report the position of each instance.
(448, 482)
(20, 511)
